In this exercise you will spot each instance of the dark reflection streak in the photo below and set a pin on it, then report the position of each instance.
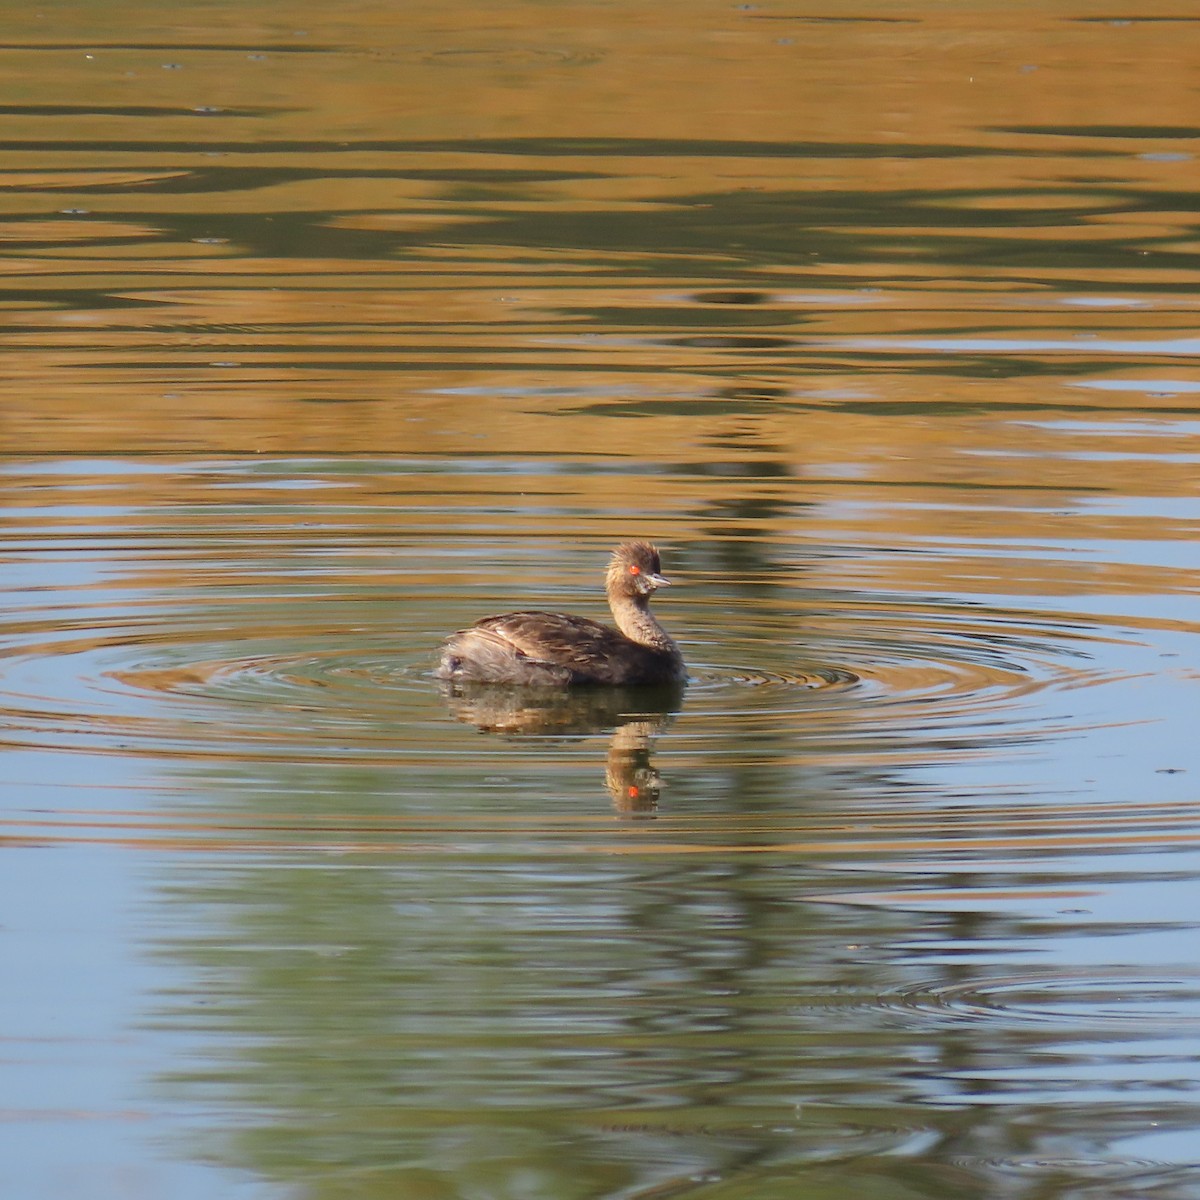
(741, 548)
(701, 315)
(853, 227)
(547, 147)
(190, 180)
(1126, 18)
(964, 1061)
(76, 111)
(707, 406)
(813, 20)
(958, 1051)
(70, 298)
(1134, 132)
(737, 525)
(179, 47)
(736, 297)
(708, 964)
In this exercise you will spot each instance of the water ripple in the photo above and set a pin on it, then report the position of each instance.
(895, 671)
(154, 679)
(1081, 999)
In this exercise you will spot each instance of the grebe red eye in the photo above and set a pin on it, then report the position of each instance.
(634, 569)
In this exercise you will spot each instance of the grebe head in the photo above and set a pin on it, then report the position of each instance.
(635, 570)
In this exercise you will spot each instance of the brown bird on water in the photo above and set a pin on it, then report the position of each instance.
(544, 649)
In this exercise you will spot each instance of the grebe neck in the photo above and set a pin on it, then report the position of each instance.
(635, 620)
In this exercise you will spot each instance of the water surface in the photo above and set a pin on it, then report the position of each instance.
(327, 333)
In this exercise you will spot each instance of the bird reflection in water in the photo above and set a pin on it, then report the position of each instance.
(633, 716)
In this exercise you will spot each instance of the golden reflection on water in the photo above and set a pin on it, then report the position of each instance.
(863, 834)
(331, 331)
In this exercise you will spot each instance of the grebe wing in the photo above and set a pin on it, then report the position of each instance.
(547, 637)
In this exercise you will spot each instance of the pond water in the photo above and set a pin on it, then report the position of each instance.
(327, 333)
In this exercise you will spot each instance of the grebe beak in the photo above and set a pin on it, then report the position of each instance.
(658, 581)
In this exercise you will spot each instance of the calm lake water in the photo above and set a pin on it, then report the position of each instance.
(328, 332)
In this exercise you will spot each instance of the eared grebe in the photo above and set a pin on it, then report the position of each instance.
(545, 649)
